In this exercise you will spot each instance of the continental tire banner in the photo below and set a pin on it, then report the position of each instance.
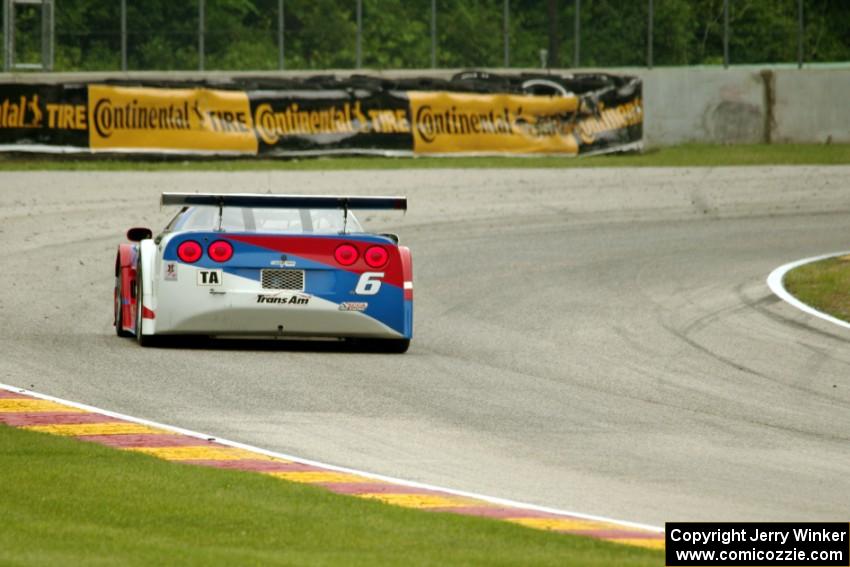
(331, 121)
(448, 123)
(203, 120)
(44, 117)
(473, 113)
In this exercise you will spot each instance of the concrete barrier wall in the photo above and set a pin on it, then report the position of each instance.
(745, 105)
(742, 104)
(703, 105)
(812, 106)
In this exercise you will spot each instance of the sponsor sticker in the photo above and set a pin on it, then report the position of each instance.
(353, 306)
(209, 277)
(446, 122)
(198, 119)
(170, 273)
(295, 299)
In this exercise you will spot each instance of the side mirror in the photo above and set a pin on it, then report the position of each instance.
(138, 233)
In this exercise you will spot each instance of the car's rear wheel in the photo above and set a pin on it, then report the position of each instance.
(390, 346)
(143, 340)
(119, 311)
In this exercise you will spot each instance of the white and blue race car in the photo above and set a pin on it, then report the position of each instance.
(266, 266)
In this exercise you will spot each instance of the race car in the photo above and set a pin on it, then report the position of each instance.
(264, 265)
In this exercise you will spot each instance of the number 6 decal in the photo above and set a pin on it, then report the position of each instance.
(369, 283)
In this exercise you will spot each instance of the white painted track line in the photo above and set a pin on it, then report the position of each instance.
(776, 285)
(490, 499)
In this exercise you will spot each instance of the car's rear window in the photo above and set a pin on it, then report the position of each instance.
(243, 219)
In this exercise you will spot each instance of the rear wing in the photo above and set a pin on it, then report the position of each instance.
(271, 201)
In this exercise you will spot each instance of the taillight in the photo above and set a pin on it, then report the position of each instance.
(189, 251)
(220, 251)
(376, 256)
(346, 254)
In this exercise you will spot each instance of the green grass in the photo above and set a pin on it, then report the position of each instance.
(825, 285)
(66, 502)
(685, 155)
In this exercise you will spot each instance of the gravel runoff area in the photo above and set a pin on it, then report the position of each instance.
(598, 340)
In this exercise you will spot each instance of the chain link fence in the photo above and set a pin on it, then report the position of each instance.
(266, 35)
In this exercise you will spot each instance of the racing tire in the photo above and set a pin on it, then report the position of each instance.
(143, 340)
(390, 346)
(118, 318)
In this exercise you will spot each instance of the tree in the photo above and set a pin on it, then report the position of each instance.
(470, 33)
(396, 34)
(321, 34)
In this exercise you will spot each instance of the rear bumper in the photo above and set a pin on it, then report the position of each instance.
(239, 306)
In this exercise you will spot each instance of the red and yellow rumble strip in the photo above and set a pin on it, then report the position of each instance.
(35, 414)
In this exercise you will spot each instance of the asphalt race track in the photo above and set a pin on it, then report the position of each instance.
(597, 340)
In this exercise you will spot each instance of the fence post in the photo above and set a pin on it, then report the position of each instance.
(281, 61)
(201, 17)
(506, 32)
(800, 32)
(433, 34)
(554, 47)
(725, 34)
(9, 34)
(649, 32)
(359, 51)
(577, 32)
(124, 35)
(47, 35)
(5, 35)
